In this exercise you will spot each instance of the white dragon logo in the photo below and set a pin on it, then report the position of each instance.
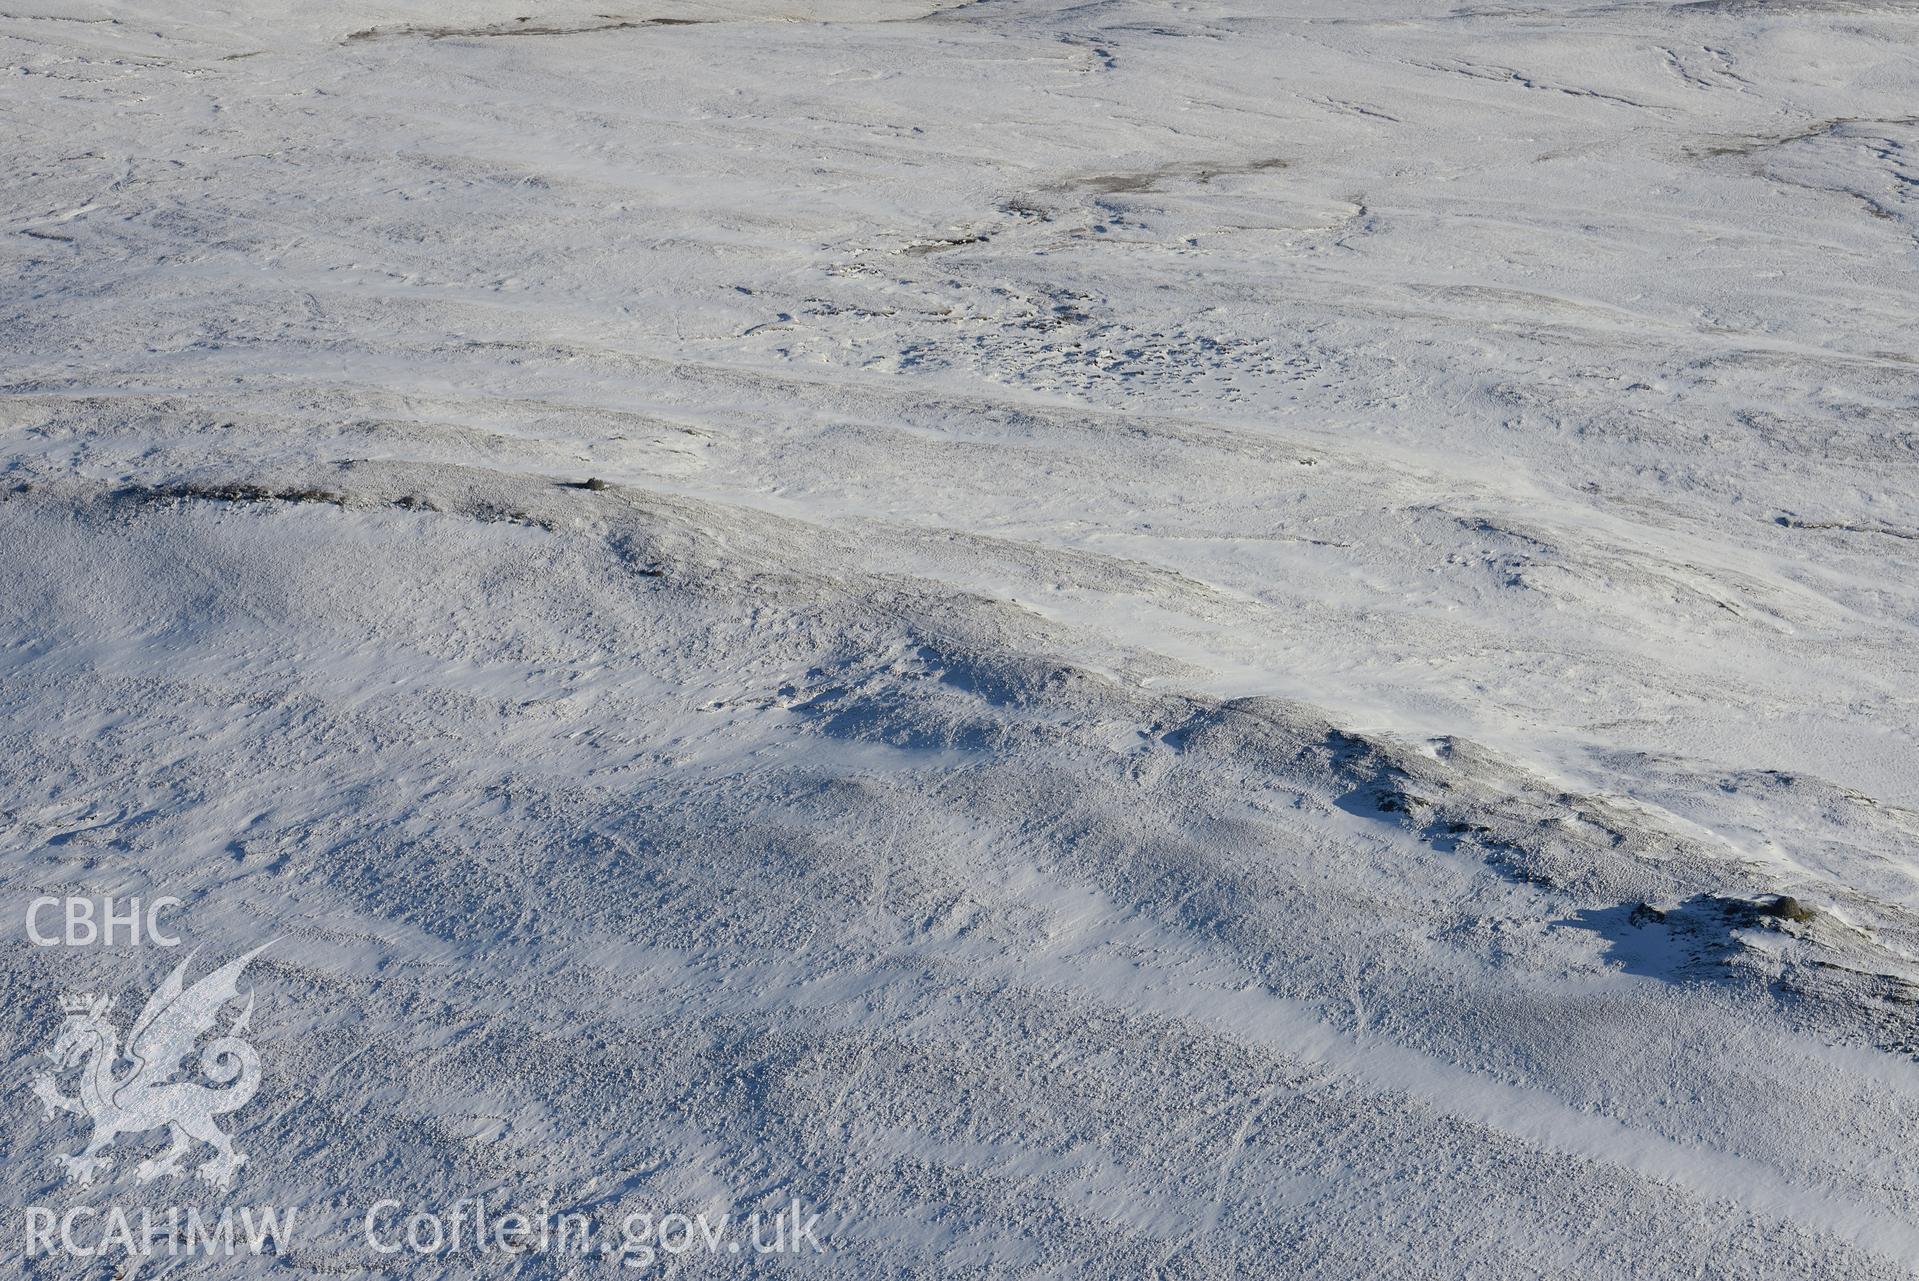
(147, 1096)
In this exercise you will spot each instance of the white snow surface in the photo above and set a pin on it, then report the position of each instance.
(1169, 579)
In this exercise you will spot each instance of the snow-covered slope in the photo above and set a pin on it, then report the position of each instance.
(1204, 639)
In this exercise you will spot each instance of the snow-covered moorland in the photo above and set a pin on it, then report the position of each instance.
(1094, 638)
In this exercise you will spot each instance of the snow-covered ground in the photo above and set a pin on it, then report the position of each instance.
(1207, 632)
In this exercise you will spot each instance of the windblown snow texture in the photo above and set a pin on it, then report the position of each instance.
(1215, 639)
